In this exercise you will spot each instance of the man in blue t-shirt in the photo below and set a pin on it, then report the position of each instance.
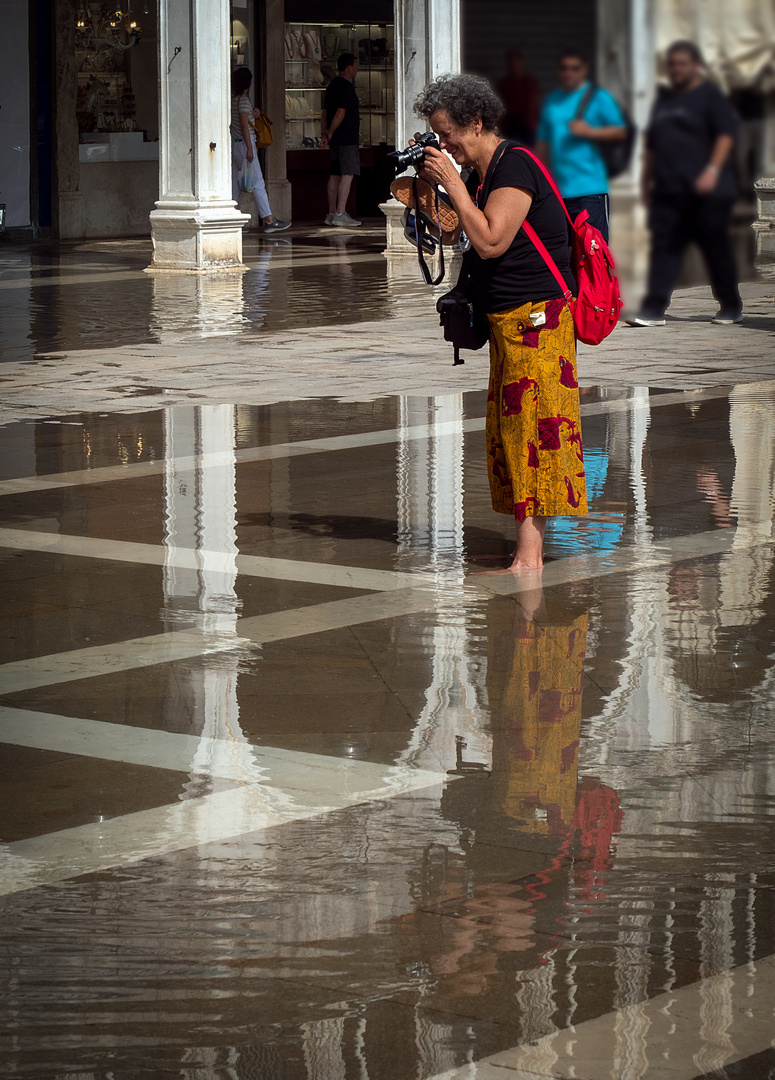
(570, 144)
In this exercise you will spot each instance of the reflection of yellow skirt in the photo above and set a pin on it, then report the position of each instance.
(534, 457)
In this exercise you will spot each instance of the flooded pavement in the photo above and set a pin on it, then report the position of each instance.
(95, 294)
(291, 793)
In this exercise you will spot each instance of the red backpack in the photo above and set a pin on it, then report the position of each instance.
(595, 311)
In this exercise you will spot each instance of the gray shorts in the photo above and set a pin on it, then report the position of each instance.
(345, 161)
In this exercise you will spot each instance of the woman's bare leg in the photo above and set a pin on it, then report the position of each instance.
(529, 552)
(530, 545)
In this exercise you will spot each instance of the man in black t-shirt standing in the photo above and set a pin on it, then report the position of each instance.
(689, 187)
(340, 123)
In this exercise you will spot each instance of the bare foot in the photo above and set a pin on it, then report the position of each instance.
(514, 569)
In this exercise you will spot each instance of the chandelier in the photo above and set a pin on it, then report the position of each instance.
(115, 27)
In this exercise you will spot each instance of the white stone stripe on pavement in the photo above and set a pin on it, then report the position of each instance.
(233, 757)
(137, 470)
(222, 815)
(678, 1035)
(98, 660)
(154, 649)
(92, 547)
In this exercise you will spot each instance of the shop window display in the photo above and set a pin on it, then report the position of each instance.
(117, 98)
(311, 52)
(105, 102)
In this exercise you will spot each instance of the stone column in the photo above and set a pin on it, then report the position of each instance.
(195, 226)
(626, 66)
(69, 214)
(427, 45)
(765, 195)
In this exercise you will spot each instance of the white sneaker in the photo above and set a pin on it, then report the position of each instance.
(644, 320)
(344, 221)
(329, 219)
(277, 226)
(727, 318)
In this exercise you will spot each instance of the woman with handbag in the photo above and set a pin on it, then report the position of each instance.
(535, 461)
(243, 148)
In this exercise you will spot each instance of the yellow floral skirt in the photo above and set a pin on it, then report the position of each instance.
(535, 460)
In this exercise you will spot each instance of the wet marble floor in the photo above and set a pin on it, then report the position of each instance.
(290, 793)
(94, 294)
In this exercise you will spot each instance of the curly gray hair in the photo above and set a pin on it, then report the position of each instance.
(463, 97)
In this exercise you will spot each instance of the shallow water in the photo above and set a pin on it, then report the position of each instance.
(95, 295)
(291, 793)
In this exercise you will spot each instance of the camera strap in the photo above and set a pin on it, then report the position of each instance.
(421, 229)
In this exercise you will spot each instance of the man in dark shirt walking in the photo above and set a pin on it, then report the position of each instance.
(689, 187)
(340, 122)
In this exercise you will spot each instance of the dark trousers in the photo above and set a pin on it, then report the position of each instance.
(675, 222)
(596, 206)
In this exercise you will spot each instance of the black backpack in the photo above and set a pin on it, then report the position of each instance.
(616, 155)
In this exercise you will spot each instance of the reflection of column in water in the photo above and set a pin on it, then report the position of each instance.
(210, 1063)
(323, 1049)
(717, 937)
(187, 306)
(200, 508)
(538, 1006)
(430, 485)
(745, 574)
(437, 1046)
(430, 538)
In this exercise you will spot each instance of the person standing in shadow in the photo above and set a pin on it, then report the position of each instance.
(243, 148)
(340, 123)
(689, 186)
(521, 97)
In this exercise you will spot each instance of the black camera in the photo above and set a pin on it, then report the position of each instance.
(414, 154)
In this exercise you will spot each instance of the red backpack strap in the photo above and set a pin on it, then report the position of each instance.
(547, 174)
(552, 265)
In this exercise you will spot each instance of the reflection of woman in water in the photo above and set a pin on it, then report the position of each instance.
(535, 677)
(535, 673)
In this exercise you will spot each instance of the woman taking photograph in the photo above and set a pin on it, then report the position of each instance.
(243, 147)
(534, 455)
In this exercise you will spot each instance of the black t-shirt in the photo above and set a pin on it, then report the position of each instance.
(520, 275)
(681, 133)
(340, 94)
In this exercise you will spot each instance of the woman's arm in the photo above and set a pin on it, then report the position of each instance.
(492, 230)
(244, 126)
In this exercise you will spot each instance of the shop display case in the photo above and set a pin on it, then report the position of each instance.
(311, 52)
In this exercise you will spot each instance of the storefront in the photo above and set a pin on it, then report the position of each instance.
(313, 37)
(117, 111)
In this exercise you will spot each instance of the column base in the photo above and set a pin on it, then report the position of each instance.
(765, 202)
(197, 239)
(71, 220)
(280, 198)
(396, 241)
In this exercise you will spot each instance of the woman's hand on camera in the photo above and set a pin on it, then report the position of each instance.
(437, 168)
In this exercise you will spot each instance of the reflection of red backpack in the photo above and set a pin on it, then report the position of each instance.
(596, 309)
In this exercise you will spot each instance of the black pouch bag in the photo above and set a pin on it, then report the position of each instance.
(465, 324)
